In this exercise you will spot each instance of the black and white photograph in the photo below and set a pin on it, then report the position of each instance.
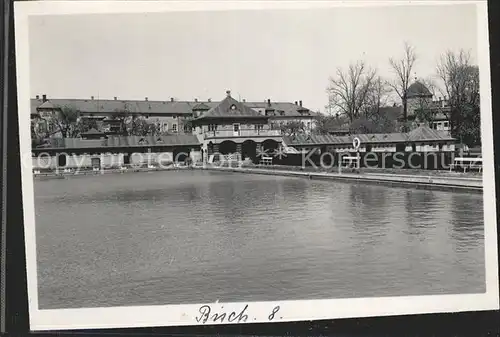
(201, 163)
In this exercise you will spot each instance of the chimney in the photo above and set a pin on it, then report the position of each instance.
(92, 97)
(296, 102)
(269, 101)
(300, 103)
(115, 98)
(209, 100)
(171, 99)
(44, 98)
(145, 98)
(244, 100)
(196, 99)
(228, 93)
(37, 96)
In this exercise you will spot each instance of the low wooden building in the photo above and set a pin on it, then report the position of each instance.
(114, 151)
(421, 139)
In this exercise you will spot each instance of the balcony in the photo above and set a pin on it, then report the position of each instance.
(241, 133)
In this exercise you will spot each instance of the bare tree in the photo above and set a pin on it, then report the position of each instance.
(349, 90)
(377, 97)
(460, 79)
(402, 69)
(64, 121)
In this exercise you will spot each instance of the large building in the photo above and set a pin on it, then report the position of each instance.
(170, 116)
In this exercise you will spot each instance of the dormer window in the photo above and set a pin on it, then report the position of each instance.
(159, 140)
(142, 141)
(233, 107)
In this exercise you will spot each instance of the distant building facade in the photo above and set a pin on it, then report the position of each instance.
(170, 116)
(420, 101)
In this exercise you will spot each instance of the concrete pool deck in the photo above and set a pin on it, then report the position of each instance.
(437, 182)
(441, 181)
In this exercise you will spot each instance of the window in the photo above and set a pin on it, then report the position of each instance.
(165, 127)
(259, 127)
(212, 127)
(446, 124)
(174, 127)
(186, 128)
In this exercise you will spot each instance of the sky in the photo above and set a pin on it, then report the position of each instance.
(282, 55)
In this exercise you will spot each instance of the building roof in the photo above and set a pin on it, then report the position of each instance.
(201, 106)
(46, 105)
(96, 106)
(120, 142)
(417, 89)
(229, 107)
(424, 133)
(421, 134)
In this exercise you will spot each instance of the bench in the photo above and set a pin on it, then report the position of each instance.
(266, 160)
(349, 161)
(470, 163)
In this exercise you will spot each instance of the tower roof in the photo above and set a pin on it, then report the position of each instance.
(417, 89)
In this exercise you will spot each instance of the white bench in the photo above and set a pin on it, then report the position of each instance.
(349, 161)
(467, 163)
(266, 160)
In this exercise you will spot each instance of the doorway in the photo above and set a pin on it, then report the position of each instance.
(236, 129)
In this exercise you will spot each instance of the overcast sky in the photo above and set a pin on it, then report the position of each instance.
(284, 55)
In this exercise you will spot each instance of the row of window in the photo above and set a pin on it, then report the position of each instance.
(372, 147)
(440, 125)
(236, 127)
(282, 123)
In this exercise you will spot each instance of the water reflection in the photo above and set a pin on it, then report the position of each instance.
(188, 237)
(420, 208)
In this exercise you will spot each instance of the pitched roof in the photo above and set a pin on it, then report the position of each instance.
(420, 134)
(133, 141)
(121, 141)
(417, 89)
(336, 140)
(156, 107)
(201, 106)
(424, 133)
(131, 106)
(229, 107)
(46, 105)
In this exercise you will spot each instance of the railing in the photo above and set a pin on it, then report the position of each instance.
(242, 133)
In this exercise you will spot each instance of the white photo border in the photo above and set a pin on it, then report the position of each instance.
(258, 312)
